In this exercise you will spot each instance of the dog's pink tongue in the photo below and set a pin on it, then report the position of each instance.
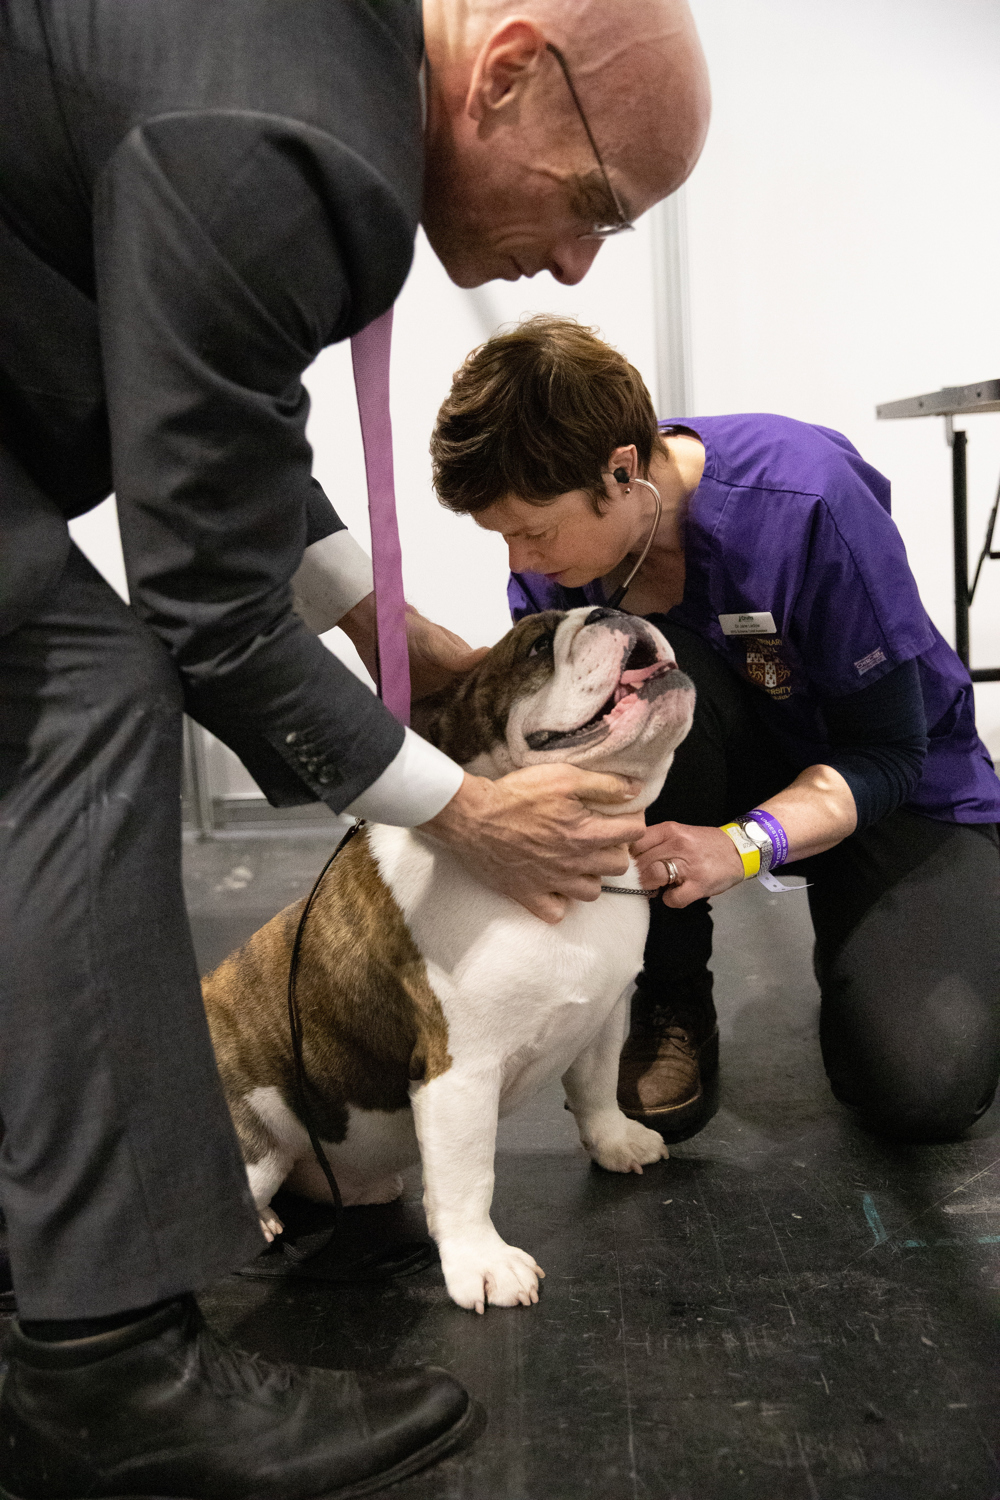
(642, 674)
(629, 681)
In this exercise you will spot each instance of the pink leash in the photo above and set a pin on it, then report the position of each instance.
(370, 357)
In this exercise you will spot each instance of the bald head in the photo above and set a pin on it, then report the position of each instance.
(640, 73)
(512, 182)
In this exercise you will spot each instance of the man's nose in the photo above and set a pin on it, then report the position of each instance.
(571, 259)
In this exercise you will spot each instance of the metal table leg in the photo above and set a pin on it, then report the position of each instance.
(953, 401)
(960, 529)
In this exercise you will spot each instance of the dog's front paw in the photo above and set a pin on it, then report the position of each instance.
(487, 1270)
(623, 1145)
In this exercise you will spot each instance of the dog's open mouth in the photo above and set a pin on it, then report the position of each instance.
(640, 668)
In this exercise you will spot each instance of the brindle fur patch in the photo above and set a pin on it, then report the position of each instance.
(370, 1021)
(467, 719)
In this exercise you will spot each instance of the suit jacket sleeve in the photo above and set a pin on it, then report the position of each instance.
(230, 249)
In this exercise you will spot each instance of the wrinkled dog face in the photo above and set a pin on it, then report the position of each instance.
(593, 687)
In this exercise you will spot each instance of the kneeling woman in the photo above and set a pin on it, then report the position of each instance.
(834, 732)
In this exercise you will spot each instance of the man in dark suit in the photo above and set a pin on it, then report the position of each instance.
(196, 197)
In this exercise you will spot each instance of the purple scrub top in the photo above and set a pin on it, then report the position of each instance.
(790, 521)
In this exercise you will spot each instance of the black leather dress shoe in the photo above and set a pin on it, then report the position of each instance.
(165, 1410)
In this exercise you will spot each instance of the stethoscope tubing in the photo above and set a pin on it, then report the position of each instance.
(619, 594)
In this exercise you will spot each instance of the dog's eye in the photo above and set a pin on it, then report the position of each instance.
(541, 644)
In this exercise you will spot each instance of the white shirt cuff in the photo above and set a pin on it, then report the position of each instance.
(413, 788)
(335, 574)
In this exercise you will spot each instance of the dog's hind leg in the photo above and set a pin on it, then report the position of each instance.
(269, 1137)
(591, 1083)
(265, 1178)
(456, 1119)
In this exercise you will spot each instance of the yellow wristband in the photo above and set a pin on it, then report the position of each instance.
(745, 848)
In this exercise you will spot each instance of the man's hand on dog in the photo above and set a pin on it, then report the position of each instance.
(533, 836)
(705, 859)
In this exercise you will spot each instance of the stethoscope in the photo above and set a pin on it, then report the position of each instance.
(622, 476)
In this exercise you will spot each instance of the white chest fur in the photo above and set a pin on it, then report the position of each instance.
(517, 994)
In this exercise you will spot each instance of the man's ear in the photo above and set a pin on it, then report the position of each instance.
(507, 60)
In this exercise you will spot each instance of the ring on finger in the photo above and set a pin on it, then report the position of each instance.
(672, 876)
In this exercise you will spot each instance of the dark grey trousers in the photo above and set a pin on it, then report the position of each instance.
(906, 915)
(119, 1171)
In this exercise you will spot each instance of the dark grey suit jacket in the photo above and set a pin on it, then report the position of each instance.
(196, 197)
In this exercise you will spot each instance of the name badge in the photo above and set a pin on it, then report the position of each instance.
(759, 623)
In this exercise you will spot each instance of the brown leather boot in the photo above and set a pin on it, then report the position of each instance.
(671, 1050)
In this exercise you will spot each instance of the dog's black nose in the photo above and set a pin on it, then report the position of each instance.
(600, 614)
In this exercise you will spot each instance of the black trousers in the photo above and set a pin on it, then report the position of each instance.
(906, 916)
(119, 1170)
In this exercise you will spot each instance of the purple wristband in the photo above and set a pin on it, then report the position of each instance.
(775, 832)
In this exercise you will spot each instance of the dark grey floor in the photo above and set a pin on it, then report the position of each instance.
(787, 1308)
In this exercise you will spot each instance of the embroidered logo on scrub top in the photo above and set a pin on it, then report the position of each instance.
(765, 666)
(757, 651)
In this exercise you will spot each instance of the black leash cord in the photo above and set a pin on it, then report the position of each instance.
(295, 1030)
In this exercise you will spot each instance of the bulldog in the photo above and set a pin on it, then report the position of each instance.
(431, 1005)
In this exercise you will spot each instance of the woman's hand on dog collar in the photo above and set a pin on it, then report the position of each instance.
(532, 836)
(705, 859)
(816, 811)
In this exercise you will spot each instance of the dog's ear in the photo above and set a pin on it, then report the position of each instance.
(468, 718)
(430, 715)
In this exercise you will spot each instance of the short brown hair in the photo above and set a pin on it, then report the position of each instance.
(537, 412)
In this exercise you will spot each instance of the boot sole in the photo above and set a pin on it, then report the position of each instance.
(677, 1116)
(439, 1448)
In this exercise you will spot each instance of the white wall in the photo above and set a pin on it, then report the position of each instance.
(843, 231)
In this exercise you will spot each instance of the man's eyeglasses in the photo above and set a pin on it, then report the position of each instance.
(623, 222)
